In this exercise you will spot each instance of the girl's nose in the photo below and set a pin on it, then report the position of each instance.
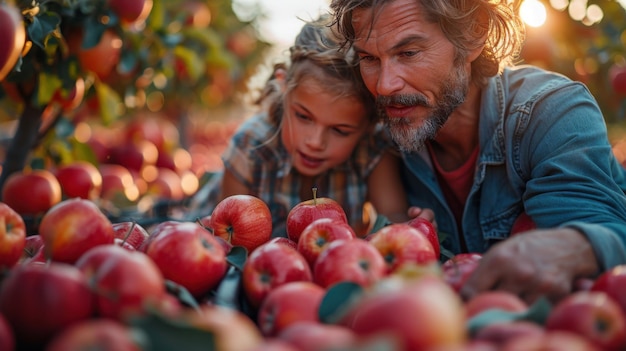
(316, 138)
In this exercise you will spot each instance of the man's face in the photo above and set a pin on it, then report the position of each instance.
(410, 67)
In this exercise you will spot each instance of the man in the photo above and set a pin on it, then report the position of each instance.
(485, 143)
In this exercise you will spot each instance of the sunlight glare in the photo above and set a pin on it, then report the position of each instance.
(533, 13)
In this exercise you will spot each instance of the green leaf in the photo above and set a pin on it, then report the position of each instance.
(42, 27)
(194, 64)
(166, 334)
(181, 293)
(227, 293)
(538, 313)
(237, 257)
(49, 83)
(110, 102)
(338, 301)
(93, 31)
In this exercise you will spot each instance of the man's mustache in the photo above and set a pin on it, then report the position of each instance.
(402, 100)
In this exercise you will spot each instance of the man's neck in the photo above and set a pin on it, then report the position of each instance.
(458, 138)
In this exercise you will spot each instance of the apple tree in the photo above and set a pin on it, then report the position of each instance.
(63, 61)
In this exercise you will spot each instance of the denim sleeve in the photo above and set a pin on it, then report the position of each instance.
(567, 155)
(607, 244)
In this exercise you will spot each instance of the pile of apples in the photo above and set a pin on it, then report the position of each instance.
(224, 283)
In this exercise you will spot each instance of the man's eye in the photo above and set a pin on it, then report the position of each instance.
(409, 53)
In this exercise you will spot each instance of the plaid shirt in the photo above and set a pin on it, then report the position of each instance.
(257, 158)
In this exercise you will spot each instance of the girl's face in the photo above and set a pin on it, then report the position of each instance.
(319, 129)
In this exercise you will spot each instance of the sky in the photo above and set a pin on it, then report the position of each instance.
(284, 18)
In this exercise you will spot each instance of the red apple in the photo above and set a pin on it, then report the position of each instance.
(32, 245)
(72, 227)
(274, 344)
(7, 340)
(12, 236)
(284, 241)
(494, 299)
(130, 232)
(166, 185)
(550, 340)
(155, 231)
(287, 304)
(427, 228)
(40, 301)
(352, 260)
(135, 154)
(315, 336)
(38, 258)
(592, 314)
(305, 212)
(319, 234)
(243, 220)
(499, 333)
(269, 266)
(131, 11)
(96, 334)
(100, 59)
(421, 314)
(189, 255)
(613, 283)
(118, 184)
(123, 281)
(617, 77)
(231, 328)
(31, 192)
(400, 244)
(13, 37)
(458, 268)
(33, 250)
(79, 179)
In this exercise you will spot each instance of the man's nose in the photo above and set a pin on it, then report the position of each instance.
(389, 80)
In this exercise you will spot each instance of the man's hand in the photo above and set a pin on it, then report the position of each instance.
(534, 263)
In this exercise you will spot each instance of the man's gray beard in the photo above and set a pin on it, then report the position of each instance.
(410, 139)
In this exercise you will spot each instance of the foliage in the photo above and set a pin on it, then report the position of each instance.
(186, 52)
(583, 50)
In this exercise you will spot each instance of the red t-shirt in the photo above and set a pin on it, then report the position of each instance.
(456, 184)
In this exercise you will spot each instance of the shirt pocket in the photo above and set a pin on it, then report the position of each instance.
(497, 226)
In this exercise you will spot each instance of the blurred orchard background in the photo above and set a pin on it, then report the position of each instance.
(159, 86)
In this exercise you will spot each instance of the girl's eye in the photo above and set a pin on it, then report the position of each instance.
(301, 116)
(341, 132)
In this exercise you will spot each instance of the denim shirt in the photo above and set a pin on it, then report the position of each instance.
(543, 150)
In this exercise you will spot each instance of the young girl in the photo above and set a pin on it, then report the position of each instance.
(318, 129)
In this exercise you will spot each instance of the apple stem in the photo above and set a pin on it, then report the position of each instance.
(130, 230)
(314, 189)
(204, 226)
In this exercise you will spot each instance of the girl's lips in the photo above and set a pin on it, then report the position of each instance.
(310, 162)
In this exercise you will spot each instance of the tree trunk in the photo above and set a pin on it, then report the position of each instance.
(23, 141)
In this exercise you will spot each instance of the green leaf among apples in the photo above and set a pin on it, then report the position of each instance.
(538, 313)
(166, 334)
(338, 300)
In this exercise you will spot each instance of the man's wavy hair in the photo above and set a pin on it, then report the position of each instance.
(464, 22)
(316, 54)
